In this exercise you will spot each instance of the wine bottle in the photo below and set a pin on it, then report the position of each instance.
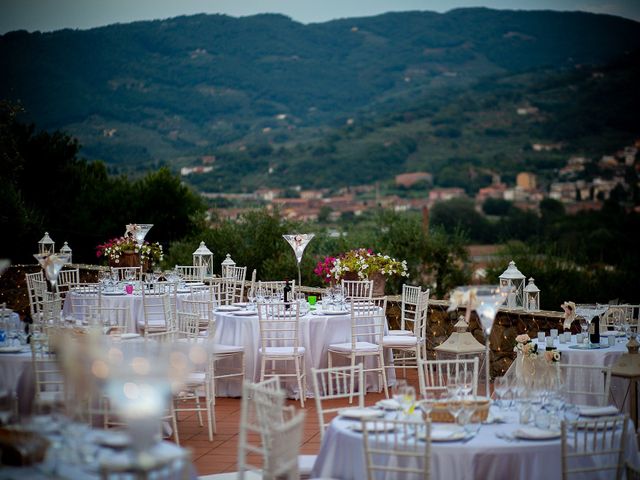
(287, 293)
(594, 335)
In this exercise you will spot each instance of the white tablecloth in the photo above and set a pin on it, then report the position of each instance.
(602, 357)
(16, 377)
(317, 332)
(122, 300)
(483, 457)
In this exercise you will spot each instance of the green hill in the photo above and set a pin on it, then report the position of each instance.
(265, 93)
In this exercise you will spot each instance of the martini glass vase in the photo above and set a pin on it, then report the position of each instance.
(485, 300)
(52, 264)
(299, 242)
(588, 312)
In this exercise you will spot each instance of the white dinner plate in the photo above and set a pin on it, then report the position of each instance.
(241, 304)
(446, 433)
(129, 336)
(332, 312)
(195, 284)
(113, 293)
(373, 427)
(227, 308)
(245, 313)
(585, 411)
(360, 413)
(11, 349)
(111, 439)
(389, 404)
(535, 433)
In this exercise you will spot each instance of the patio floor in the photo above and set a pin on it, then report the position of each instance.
(220, 455)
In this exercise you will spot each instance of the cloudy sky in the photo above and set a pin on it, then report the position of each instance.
(48, 15)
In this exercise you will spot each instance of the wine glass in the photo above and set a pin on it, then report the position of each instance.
(454, 405)
(584, 325)
(427, 403)
(500, 388)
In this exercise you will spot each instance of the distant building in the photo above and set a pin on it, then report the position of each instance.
(408, 179)
(184, 171)
(443, 194)
(492, 191)
(526, 181)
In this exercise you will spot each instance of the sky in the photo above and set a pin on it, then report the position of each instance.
(49, 15)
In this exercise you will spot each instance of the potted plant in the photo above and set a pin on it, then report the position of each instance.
(125, 252)
(361, 264)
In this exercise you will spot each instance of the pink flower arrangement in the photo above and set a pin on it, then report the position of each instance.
(324, 269)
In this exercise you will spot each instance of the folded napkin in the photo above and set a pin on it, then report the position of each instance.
(535, 433)
(598, 411)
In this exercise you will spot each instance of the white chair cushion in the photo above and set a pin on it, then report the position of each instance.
(281, 351)
(306, 463)
(360, 347)
(219, 348)
(399, 340)
(395, 333)
(250, 475)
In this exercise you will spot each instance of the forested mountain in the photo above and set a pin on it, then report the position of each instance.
(412, 90)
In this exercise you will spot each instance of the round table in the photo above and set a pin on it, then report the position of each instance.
(484, 456)
(317, 332)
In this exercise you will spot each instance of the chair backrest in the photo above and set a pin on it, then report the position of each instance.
(590, 446)
(191, 273)
(232, 284)
(188, 325)
(397, 449)
(80, 298)
(158, 306)
(261, 406)
(284, 446)
(279, 325)
(127, 273)
(420, 320)
(113, 319)
(51, 313)
(252, 285)
(409, 305)
(67, 279)
(368, 320)
(330, 384)
(585, 384)
(434, 374)
(357, 289)
(48, 379)
(35, 283)
(272, 288)
(204, 310)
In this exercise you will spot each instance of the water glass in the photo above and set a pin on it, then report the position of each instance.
(554, 332)
(549, 341)
(500, 388)
(612, 340)
(541, 336)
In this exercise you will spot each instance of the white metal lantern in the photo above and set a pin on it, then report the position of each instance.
(228, 263)
(46, 246)
(531, 297)
(203, 257)
(461, 345)
(66, 250)
(514, 279)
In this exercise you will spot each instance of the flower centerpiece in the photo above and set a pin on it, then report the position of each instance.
(126, 252)
(525, 346)
(361, 264)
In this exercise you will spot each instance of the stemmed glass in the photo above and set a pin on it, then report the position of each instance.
(454, 405)
(465, 382)
(299, 242)
(52, 263)
(588, 312)
(500, 387)
(485, 300)
(426, 404)
(405, 395)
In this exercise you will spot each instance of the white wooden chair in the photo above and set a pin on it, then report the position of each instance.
(122, 274)
(80, 298)
(434, 374)
(368, 322)
(114, 320)
(36, 286)
(48, 380)
(228, 360)
(397, 449)
(280, 342)
(191, 273)
(408, 350)
(586, 384)
(158, 307)
(331, 384)
(594, 446)
(67, 280)
(357, 289)
(233, 284)
(188, 399)
(408, 310)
